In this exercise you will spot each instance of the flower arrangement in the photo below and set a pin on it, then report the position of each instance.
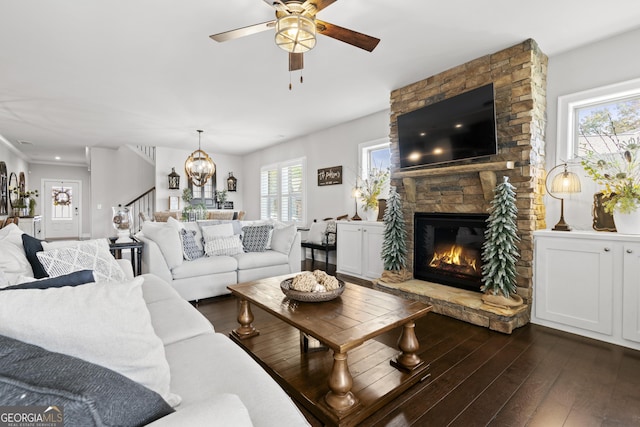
(21, 197)
(619, 173)
(372, 187)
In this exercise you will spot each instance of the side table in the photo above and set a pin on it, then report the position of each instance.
(136, 247)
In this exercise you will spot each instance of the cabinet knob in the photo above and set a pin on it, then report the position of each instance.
(365, 230)
(629, 251)
(607, 249)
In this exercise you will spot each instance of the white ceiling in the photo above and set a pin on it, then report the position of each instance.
(77, 73)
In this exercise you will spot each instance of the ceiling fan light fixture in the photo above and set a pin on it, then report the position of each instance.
(296, 33)
(199, 167)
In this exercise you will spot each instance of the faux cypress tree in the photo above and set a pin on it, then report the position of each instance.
(499, 251)
(394, 246)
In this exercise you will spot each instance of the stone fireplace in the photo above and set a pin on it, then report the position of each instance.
(466, 187)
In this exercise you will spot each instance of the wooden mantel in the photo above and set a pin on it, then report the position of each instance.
(485, 170)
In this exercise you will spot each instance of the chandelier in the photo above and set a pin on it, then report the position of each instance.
(199, 167)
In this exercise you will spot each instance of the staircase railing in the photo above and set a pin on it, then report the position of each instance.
(145, 204)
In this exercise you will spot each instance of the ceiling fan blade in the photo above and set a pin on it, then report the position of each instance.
(354, 38)
(319, 4)
(296, 61)
(244, 31)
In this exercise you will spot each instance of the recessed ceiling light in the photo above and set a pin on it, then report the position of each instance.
(438, 150)
(423, 133)
(458, 125)
(57, 157)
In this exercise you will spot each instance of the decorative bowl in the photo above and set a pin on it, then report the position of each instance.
(286, 288)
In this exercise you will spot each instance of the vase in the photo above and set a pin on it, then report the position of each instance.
(371, 214)
(627, 223)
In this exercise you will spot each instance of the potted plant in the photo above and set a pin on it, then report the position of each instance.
(370, 192)
(23, 202)
(394, 245)
(619, 173)
(221, 197)
(500, 251)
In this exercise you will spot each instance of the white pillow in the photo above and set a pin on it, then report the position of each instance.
(13, 261)
(177, 225)
(57, 244)
(316, 232)
(104, 323)
(90, 255)
(167, 239)
(224, 245)
(282, 238)
(12, 234)
(219, 230)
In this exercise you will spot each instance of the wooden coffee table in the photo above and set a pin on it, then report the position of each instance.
(342, 325)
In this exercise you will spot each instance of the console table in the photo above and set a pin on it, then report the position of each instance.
(136, 247)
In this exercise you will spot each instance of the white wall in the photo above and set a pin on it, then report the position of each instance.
(598, 64)
(166, 158)
(336, 146)
(117, 177)
(39, 172)
(16, 163)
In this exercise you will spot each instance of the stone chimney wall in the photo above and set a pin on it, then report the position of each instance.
(519, 77)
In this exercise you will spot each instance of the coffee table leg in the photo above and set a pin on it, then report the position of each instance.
(408, 360)
(245, 318)
(340, 398)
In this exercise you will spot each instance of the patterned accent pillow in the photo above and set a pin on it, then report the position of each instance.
(190, 248)
(256, 237)
(85, 256)
(332, 227)
(224, 245)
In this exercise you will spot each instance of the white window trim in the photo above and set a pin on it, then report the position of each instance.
(278, 166)
(566, 146)
(363, 159)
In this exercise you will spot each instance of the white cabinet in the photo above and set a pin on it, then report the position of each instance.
(588, 283)
(631, 292)
(359, 246)
(31, 225)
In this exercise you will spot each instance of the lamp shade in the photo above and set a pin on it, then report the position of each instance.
(296, 33)
(565, 182)
(199, 167)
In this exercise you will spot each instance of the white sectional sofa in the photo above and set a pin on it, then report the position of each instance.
(209, 276)
(160, 349)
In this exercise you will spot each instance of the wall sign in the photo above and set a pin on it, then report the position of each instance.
(330, 176)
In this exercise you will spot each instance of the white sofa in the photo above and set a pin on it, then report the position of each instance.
(217, 383)
(209, 276)
(207, 367)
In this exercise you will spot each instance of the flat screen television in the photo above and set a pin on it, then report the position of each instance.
(457, 128)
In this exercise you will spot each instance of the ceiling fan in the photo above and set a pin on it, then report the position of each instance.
(296, 28)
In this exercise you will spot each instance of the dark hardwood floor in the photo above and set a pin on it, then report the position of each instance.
(535, 377)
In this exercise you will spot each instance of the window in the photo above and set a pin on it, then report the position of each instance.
(374, 155)
(204, 195)
(282, 191)
(597, 119)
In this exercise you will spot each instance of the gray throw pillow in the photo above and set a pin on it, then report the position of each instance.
(256, 237)
(190, 248)
(87, 394)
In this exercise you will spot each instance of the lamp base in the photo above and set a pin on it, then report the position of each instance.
(356, 217)
(562, 227)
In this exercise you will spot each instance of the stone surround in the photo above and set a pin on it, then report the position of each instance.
(519, 77)
(459, 304)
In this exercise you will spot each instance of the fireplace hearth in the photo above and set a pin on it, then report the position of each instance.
(448, 248)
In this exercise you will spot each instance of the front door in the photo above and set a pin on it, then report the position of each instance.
(61, 204)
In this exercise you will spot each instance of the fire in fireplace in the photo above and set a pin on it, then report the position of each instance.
(448, 248)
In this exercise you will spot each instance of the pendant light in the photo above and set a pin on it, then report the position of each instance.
(199, 167)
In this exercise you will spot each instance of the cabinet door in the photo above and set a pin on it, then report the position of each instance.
(631, 293)
(574, 283)
(349, 249)
(372, 265)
